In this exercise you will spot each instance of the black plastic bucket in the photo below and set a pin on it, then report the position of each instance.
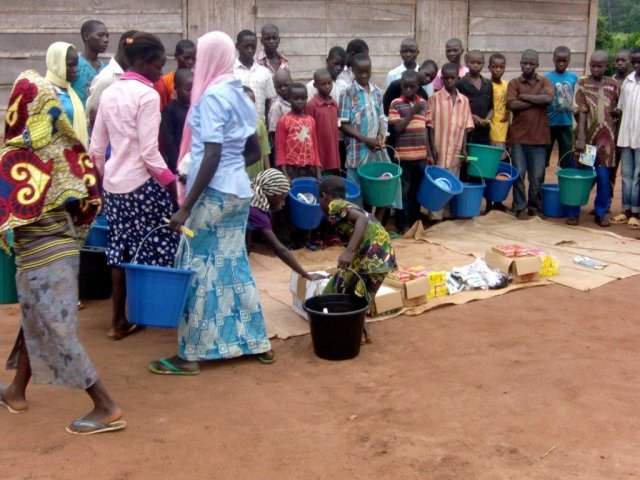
(337, 334)
(94, 279)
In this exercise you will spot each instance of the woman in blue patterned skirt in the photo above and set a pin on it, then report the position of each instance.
(222, 317)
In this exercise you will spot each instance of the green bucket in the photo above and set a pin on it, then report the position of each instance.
(575, 186)
(379, 192)
(8, 293)
(488, 159)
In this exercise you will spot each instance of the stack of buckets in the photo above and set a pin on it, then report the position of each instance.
(572, 190)
(94, 278)
(8, 293)
(440, 187)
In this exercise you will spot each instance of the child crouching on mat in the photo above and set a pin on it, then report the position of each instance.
(369, 251)
(270, 189)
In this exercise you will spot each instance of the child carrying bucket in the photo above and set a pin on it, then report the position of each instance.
(369, 252)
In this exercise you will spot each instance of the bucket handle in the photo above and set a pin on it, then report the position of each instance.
(360, 280)
(558, 167)
(395, 155)
(480, 171)
(133, 260)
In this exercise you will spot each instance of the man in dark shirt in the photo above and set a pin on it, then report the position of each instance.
(529, 134)
(426, 73)
(173, 117)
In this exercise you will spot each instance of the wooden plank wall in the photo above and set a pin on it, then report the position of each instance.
(514, 25)
(28, 27)
(309, 28)
(436, 22)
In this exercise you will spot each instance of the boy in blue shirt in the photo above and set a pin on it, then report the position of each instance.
(560, 111)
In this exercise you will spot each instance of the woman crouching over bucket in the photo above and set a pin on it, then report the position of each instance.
(369, 252)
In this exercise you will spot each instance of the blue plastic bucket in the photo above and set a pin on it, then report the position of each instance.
(551, 206)
(434, 193)
(498, 189)
(101, 220)
(98, 237)
(304, 215)
(352, 189)
(156, 295)
(469, 203)
(309, 181)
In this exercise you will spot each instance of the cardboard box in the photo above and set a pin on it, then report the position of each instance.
(414, 288)
(387, 300)
(522, 269)
(301, 289)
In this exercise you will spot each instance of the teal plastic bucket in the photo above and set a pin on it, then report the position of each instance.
(488, 159)
(376, 191)
(8, 292)
(575, 186)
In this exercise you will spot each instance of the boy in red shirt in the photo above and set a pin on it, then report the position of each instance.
(324, 110)
(296, 142)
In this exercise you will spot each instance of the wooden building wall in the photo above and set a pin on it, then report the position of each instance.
(28, 27)
(308, 27)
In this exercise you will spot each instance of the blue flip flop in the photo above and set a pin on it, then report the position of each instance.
(83, 426)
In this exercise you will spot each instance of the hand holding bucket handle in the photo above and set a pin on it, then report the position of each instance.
(133, 260)
(360, 280)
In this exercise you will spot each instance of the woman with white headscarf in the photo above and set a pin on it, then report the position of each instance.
(222, 317)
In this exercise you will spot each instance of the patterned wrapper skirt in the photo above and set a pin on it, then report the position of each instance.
(131, 217)
(49, 303)
(222, 316)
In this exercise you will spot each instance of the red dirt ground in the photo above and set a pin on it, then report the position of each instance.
(540, 383)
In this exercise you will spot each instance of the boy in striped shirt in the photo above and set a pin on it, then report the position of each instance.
(409, 116)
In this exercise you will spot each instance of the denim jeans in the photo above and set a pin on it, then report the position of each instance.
(530, 161)
(630, 160)
(602, 201)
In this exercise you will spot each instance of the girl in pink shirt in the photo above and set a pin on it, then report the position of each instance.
(138, 187)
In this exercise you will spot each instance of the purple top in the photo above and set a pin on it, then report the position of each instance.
(259, 220)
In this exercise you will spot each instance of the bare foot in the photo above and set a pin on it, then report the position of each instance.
(523, 215)
(13, 401)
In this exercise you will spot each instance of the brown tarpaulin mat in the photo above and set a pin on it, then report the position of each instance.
(454, 244)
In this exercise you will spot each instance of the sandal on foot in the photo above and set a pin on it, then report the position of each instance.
(633, 224)
(573, 221)
(10, 408)
(267, 357)
(169, 368)
(603, 221)
(128, 330)
(619, 219)
(84, 426)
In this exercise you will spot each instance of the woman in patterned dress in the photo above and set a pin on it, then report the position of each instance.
(49, 197)
(222, 317)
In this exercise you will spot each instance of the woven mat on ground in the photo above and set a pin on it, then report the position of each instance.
(474, 236)
(453, 244)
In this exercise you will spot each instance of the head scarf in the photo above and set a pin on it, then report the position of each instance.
(215, 57)
(56, 61)
(268, 182)
(43, 166)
